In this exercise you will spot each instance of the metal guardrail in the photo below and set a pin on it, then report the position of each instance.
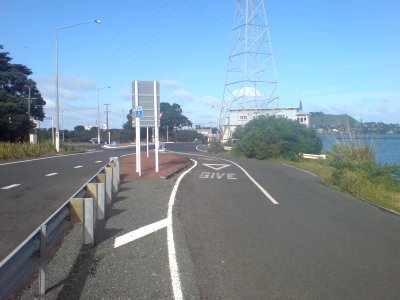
(32, 251)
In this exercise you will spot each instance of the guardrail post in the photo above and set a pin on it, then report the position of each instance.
(101, 203)
(116, 161)
(92, 192)
(113, 166)
(88, 221)
(43, 260)
(96, 191)
(109, 180)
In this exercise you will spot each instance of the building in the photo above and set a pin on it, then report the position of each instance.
(239, 117)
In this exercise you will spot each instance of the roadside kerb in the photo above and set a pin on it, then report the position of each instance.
(85, 206)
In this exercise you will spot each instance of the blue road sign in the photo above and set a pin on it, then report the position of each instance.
(139, 112)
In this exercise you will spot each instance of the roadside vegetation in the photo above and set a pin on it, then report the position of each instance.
(18, 150)
(350, 166)
(270, 137)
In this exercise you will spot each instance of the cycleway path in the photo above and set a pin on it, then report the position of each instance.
(232, 229)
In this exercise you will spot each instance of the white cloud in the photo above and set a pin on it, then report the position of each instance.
(171, 83)
(183, 95)
(126, 95)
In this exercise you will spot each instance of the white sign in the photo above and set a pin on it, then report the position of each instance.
(146, 94)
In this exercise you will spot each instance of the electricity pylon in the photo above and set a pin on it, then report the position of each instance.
(250, 84)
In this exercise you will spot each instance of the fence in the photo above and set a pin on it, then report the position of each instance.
(85, 206)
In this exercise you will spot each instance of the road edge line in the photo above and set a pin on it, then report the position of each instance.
(173, 264)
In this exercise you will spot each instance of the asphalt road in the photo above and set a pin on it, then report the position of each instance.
(32, 189)
(316, 243)
(242, 229)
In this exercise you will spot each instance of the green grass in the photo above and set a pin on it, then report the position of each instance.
(19, 150)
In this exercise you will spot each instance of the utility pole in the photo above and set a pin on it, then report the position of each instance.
(107, 111)
(107, 128)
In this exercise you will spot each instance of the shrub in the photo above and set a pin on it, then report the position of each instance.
(270, 137)
(215, 146)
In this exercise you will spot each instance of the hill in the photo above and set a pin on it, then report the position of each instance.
(319, 120)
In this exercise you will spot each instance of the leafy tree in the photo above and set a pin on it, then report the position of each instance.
(270, 137)
(79, 128)
(14, 91)
(172, 118)
(187, 135)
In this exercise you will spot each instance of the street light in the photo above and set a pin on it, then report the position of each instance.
(98, 112)
(57, 93)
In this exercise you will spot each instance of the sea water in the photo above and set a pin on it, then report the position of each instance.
(387, 147)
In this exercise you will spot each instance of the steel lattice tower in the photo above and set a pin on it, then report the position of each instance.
(250, 83)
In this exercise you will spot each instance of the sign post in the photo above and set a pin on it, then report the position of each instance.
(146, 104)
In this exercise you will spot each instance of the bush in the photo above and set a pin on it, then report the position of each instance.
(215, 146)
(271, 137)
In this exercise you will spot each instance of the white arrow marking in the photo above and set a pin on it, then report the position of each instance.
(139, 233)
(51, 174)
(10, 186)
(216, 167)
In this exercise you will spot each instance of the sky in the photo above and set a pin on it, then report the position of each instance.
(336, 56)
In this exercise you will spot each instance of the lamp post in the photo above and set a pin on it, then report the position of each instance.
(98, 112)
(57, 92)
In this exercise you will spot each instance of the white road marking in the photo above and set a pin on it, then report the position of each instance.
(98, 161)
(272, 199)
(77, 167)
(51, 174)
(10, 186)
(139, 233)
(212, 175)
(173, 264)
(216, 167)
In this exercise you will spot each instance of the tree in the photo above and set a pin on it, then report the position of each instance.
(14, 94)
(270, 137)
(172, 118)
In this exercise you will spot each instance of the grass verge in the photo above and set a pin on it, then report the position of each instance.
(368, 181)
(20, 150)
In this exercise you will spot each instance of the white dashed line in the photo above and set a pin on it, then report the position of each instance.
(77, 167)
(51, 174)
(98, 161)
(10, 186)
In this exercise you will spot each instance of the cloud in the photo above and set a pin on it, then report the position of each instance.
(171, 83)
(126, 96)
(183, 95)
